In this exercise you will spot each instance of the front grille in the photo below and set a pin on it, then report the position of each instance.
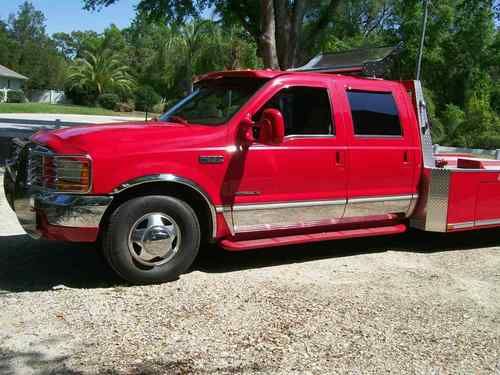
(45, 170)
(36, 159)
(16, 146)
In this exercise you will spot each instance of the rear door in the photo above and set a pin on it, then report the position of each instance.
(381, 153)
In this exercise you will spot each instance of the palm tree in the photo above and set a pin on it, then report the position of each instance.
(189, 42)
(100, 72)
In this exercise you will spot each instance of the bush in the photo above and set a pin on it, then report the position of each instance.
(159, 108)
(124, 107)
(15, 96)
(145, 98)
(81, 96)
(108, 101)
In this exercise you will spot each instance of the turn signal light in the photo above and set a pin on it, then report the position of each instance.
(69, 174)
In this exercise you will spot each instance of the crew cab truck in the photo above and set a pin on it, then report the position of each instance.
(251, 159)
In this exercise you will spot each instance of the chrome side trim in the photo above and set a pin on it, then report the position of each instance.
(474, 224)
(371, 206)
(174, 179)
(270, 206)
(255, 217)
(468, 224)
(487, 222)
(388, 198)
(267, 216)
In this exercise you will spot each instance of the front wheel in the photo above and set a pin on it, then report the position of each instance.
(152, 239)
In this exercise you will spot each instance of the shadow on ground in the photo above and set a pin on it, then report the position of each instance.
(29, 265)
(16, 362)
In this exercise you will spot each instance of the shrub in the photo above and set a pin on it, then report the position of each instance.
(80, 95)
(15, 96)
(159, 108)
(145, 98)
(108, 101)
(124, 107)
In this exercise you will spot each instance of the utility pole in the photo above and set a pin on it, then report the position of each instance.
(422, 38)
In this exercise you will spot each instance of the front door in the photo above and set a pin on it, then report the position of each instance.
(301, 182)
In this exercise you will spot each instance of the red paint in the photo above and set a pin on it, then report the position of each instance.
(298, 169)
(69, 234)
(310, 238)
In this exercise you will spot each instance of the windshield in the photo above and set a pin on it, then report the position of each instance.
(213, 103)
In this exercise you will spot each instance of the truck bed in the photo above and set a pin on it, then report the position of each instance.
(461, 193)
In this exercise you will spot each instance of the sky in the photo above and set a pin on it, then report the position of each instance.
(67, 15)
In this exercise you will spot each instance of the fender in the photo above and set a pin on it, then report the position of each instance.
(172, 179)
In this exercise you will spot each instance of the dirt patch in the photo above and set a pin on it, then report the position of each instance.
(415, 303)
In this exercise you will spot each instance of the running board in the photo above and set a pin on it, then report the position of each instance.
(232, 245)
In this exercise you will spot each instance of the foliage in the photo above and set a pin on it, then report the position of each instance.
(169, 43)
(145, 98)
(100, 73)
(25, 48)
(108, 101)
(124, 107)
(15, 96)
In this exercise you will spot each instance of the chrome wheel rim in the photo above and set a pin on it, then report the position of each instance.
(154, 239)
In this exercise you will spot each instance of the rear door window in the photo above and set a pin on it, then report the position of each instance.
(374, 114)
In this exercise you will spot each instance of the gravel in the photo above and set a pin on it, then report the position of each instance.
(415, 303)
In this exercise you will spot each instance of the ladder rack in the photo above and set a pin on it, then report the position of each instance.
(366, 61)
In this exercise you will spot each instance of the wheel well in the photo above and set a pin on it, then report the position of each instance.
(183, 192)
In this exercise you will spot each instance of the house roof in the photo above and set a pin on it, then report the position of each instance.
(6, 72)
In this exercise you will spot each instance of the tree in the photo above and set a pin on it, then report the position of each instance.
(100, 73)
(75, 44)
(29, 51)
(277, 26)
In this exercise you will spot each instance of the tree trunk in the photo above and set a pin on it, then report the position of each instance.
(282, 21)
(297, 20)
(267, 39)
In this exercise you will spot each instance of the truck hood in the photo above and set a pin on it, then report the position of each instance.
(123, 137)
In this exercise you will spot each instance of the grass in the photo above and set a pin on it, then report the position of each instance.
(61, 109)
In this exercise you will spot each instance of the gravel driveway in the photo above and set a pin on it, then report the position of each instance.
(415, 303)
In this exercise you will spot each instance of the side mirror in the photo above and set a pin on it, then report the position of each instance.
(246, 131)
(272, 127)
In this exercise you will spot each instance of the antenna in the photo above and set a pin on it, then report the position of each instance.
(422, 38)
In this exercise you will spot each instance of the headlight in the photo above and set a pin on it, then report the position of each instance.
(69, 174)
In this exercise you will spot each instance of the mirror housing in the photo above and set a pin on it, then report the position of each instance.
(272, 127)
(246, 131)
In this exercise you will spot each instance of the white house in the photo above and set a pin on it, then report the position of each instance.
(9, 80)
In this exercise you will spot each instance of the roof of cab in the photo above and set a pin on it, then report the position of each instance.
(269, 74)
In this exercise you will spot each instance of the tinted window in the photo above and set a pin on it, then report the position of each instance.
(306, 110)
(374, 113)
(213, 103)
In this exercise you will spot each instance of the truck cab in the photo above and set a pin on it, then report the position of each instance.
(251, 159)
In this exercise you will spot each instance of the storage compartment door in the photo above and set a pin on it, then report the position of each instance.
(488, 204)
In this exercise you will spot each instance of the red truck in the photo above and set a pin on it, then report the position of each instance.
(251, 159)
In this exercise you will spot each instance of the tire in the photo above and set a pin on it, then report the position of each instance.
(152, 239)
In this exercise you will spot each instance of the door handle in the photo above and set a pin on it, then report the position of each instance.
(338, 158)
(405, 157)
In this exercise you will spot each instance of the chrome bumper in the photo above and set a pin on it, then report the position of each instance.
(63, 210)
